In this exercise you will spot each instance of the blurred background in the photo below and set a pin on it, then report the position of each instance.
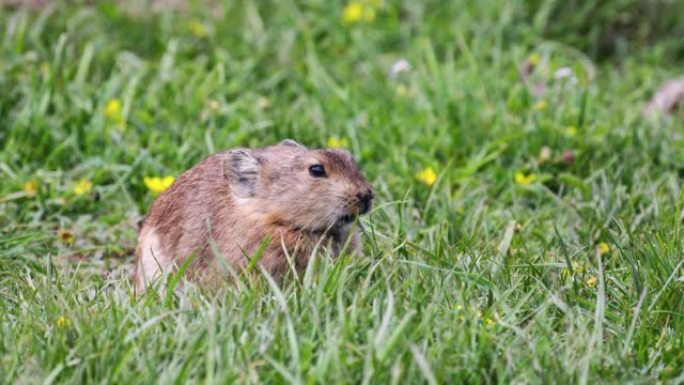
(527, 159)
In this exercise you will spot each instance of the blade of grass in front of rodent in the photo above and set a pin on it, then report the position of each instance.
(256, 257)
(176, 277)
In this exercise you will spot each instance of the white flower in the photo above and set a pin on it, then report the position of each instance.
(566, 75)
(562, 73)
(399, 66)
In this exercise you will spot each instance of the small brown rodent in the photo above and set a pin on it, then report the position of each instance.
(225, 206)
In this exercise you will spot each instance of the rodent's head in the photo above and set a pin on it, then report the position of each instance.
(313, 190)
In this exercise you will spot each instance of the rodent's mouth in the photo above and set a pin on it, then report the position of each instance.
(349, 218)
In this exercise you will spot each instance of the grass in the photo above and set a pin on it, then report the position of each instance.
(473, 279)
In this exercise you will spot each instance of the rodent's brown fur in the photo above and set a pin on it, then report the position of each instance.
(231, 201)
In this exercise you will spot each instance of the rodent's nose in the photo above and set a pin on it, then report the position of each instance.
(365, 201)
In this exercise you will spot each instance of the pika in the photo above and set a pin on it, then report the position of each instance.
(222, 210)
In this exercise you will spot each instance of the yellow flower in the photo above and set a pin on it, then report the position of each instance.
(401, 90)
(591, 281)
(214, 105)
(540, 105)
(83, 186)
(356, 11)
(534, 59)
(427, 176)
(570, 131)
(30, 188)
(490, 322)
(197, 28)
(157, 184)
(263, 102)
(63, 322)
(353, 12)
(576, 267)
(113, 110)
(66, 237)
(335, 142)
(524, 180)
(603, 248)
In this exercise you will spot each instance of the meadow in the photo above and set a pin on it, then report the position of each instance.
(527, 225)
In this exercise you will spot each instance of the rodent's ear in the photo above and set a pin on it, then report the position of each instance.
(290, 143)
(241, 168)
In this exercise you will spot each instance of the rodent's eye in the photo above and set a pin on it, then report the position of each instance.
(317, 171)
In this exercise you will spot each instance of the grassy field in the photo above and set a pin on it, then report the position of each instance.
(528, 220)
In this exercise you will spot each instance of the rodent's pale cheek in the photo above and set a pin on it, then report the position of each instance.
(324, 209)
(341, 205)
(312, 206)
(321, 209)
(300, 208)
